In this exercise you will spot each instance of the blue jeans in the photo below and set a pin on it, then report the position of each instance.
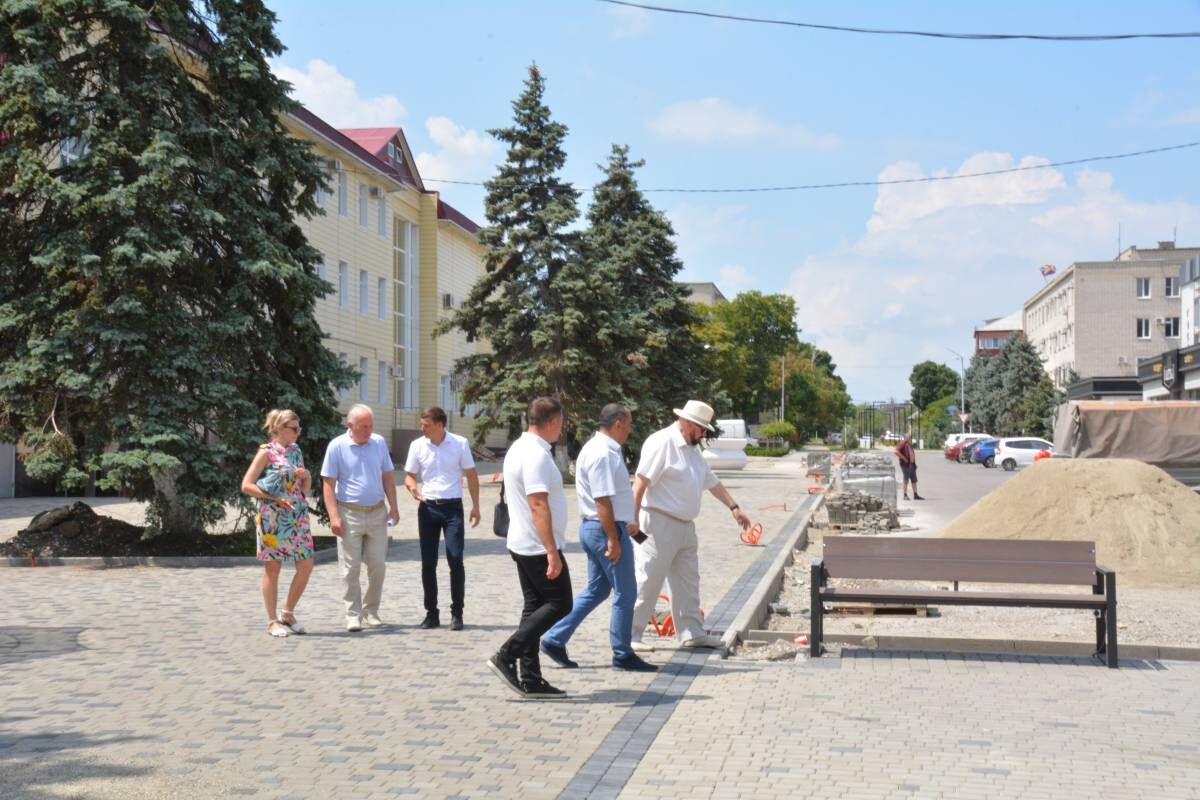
(434, 520)
(603, 577)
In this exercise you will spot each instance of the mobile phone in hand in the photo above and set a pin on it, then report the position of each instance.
(639, 537)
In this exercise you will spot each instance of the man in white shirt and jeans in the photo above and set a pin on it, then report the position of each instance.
(671, 476)
(537, 509)
(606, 521)
(437, 461)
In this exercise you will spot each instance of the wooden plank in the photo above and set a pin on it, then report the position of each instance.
(879, 610)
(947, 598)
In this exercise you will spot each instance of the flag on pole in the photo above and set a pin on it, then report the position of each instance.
(1048, 270)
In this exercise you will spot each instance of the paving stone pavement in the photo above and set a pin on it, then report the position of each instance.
(152, 682)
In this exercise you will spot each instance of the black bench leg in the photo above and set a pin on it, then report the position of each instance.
(1101, 628)
(1110, 617)
(815, 609)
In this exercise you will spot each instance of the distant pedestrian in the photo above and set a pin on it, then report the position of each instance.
(537, 509)
(908, 465)
(605, 498)
(671, 477)
(438, 461)
(282, 519)
(357, 475)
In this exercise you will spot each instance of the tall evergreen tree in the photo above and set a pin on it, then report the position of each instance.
(1023, 375)
(156, 293)
(656, 361)
(548, 322)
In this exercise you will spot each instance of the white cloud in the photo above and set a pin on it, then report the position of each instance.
(712, 119)
(904, 293)
(334, 97)
(897, 206)
(1189, 117)
(732, 279)
(463, 154)
(631, 22)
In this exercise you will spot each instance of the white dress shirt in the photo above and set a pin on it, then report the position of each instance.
(530, 469)
(677, 473)
(439, 467)
(600, 472)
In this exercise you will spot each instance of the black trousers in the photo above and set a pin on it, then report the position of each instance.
(546, 602)
(433, 521)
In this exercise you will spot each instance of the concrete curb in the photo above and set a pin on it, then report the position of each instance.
(754, 611)
(1025, 647)
(169, 562)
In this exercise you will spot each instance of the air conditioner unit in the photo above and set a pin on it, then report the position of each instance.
(396, 371)
(333, 164)
(374, 191)
(447, 301)
(1159, 321)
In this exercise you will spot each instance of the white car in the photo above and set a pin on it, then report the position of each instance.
(1019, 451)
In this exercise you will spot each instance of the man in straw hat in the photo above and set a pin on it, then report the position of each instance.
(671, 475)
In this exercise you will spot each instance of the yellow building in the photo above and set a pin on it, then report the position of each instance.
(399, 260)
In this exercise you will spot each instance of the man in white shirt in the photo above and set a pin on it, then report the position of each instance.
(671, 475)
(537, 510)
(437, 461)
(357, 477)
(606, 519)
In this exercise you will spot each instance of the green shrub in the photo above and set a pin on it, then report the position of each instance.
(778, 430)
(770, 452)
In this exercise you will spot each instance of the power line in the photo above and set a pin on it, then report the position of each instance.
(895, 32)
(892, 182)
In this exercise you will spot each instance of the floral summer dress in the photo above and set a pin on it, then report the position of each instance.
(283, 534)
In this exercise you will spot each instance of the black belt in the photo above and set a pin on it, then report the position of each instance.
(433, 501)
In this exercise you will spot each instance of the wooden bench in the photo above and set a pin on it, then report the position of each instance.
(974, 560)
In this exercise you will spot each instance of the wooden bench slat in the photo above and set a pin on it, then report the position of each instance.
(1040, 600)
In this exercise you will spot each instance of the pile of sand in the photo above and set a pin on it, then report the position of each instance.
(1145, 524)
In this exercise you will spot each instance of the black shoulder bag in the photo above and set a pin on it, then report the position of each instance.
(500, 519)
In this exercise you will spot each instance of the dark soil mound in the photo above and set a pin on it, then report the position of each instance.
(77, 530)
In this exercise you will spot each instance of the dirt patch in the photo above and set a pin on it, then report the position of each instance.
(77, 530)
(1144, 523)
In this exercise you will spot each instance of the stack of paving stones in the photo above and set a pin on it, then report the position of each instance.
(861, 510)
(872, 472)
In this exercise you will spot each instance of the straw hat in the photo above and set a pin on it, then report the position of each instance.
(697, 412)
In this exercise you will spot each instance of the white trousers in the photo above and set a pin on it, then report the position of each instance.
(364, 541)
(670, 553)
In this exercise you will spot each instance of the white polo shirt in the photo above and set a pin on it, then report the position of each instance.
(600, 472)
(677, 472)
(529, 469)
(439, 467)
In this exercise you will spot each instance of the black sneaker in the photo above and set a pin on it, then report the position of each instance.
(558, 655)
(917, 497)
(431, 621)
(539, 689)
(507, 672)
(456, 623)
(633, 663)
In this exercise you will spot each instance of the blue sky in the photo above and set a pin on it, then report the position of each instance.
(883, 277)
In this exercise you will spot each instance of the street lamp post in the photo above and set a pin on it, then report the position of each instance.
(962, 396)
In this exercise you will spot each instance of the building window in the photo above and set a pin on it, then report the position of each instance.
(381, 222)
(364, 300)
(383, 384)
(1143, 328)
(381, 290)
(1171, 327)
(363, 390)
(406, 305)
(362, 205)
(391, 150)
(1172, 287)
(322, 270)
(343, 193)
(343, 393)
(343, 285)
(1143, 288)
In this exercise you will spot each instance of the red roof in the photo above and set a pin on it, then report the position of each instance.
(373, 139)
(452, 214)
(345, 142)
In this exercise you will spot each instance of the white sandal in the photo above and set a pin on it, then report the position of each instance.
(294, 626)
(277, 629)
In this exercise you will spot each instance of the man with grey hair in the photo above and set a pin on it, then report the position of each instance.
(605, 497)
(357, 477)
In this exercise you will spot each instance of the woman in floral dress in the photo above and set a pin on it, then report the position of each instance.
(282, 519)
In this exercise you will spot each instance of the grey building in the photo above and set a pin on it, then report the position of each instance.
(706, 293)
(1098, 318)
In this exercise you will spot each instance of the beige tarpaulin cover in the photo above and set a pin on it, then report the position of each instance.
(1162, 432)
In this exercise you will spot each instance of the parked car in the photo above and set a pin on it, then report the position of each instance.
(966, 449)
(985, 452)
(956, 441)
(1019, 451)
